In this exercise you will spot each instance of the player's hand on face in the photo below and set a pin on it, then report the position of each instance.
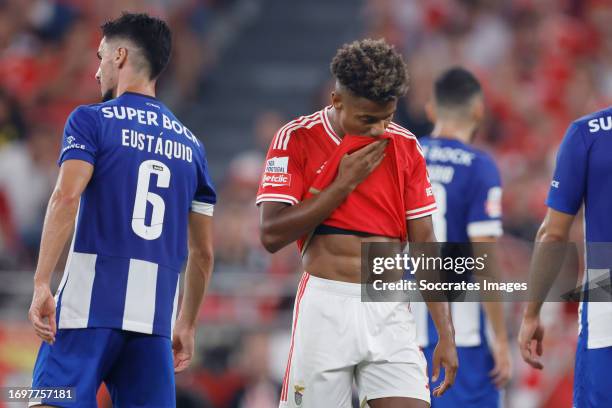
(183, 344)
(530, 338)
(355, 167)
(42, 313)
(445, 355)
(502, 372)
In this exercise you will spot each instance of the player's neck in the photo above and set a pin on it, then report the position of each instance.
(138, 86)
(463, 133)
(335, 124)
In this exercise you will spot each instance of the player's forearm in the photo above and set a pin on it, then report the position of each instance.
(495, 316)
(293, 222)
(197, 276)
(545, 264)
(58, 225)
(441, 316)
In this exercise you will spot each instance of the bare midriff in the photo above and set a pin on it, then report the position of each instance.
(338, 257)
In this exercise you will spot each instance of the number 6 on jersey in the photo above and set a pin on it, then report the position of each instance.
(143, 195)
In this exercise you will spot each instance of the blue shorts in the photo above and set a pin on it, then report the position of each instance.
(473, 387)
(592, 382)
(137, 368)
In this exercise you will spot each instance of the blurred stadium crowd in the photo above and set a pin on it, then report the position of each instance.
(542, 63)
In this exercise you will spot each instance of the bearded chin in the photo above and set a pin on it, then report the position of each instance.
(108, 95)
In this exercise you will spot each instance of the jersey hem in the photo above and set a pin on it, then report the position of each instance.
(126, 325)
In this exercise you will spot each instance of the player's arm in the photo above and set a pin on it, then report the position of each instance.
(59, 222)
(564, 200)
(197, 276)
(545, 266)
(494, 311)
(420, 230)
(280, 224)
(484, 227)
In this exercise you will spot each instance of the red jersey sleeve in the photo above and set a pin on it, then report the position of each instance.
(282, 179)
(419, 199)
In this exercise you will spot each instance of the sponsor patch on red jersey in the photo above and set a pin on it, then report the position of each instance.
(276, 179)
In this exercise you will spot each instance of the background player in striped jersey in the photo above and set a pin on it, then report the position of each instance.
(583, 175)
(467, 187)
(136, 180)
(323, 188)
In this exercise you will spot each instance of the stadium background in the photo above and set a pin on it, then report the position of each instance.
(240, 69)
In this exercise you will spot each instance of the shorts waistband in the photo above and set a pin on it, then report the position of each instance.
(346, 289)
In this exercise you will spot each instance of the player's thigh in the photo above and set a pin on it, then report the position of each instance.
(324, 346)
(78, 359)
(393, 384)
(592, 379)
(395, 366)
(143, 375)
(398, 402)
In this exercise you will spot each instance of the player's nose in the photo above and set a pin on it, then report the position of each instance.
(378, 129)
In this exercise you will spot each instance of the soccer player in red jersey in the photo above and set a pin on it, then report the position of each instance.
(332, 180)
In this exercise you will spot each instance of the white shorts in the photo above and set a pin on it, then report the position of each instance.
(337, 338)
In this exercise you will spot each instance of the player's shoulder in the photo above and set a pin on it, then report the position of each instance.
(300, 129)
(483, 158)
(85, 113)
(404, 138)
(595, 122)
(89, 109)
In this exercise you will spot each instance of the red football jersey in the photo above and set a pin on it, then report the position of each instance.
(306, 153)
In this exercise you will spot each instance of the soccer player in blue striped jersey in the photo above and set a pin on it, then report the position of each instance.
(583, 175)
(134, 183)
(467, 187)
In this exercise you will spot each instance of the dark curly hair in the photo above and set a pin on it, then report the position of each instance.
(151, 35)
(371, 69)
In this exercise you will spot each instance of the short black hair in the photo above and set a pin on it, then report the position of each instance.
(372, 69)
(456, 87)
(150, 34)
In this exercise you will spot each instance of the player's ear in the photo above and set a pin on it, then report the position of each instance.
(337, 100)
(478, 109)
(120, 56)
(430, 111)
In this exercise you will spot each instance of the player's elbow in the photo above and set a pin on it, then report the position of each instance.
(64, 200)
(269, 240)
(549, 232)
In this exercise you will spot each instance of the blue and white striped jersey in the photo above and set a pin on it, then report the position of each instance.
(467, 187)
(130, 238)
(583, 174)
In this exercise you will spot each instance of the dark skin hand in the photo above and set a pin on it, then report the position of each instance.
(281, 224)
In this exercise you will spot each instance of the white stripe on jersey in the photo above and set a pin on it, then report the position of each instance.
(276, 197)
(418, 210)
(76, 295)
(490, 228)
(279, 139)
(419, 310)
(139, 310)
(175, 306)
(466, 319)
(327, 125)
(598, 313)
(202, 208)
(398, 130)
(70, 252)
(305, 126)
